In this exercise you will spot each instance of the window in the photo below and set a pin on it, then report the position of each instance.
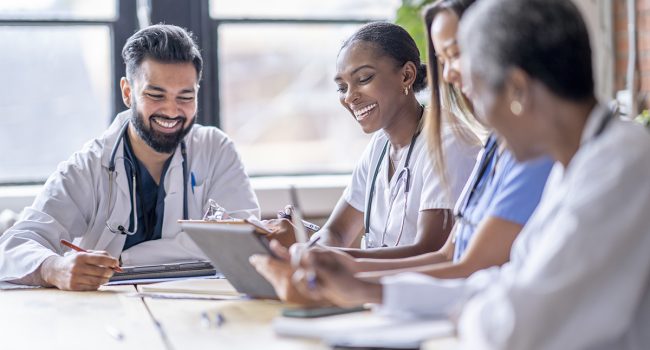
(278, 101)
(58, 9)
(304, 9)
(57, 83)
(268, 81)
(57, 80)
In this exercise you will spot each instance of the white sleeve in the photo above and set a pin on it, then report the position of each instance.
(460, 158)
(228, 182)
(582, 282)
(178, 248)
(62, 210)
(355, 193)
(416, 295)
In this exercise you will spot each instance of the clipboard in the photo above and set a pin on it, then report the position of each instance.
(229, 246)
(257, 225)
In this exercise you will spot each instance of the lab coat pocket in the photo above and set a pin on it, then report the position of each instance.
(198, 201)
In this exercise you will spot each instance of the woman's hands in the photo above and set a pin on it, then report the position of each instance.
(324, 276)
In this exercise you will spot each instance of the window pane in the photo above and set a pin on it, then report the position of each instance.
(58, 9)
(55, 96)
(304, 9)
(278, 99)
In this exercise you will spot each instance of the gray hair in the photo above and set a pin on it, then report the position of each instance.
(547, 39)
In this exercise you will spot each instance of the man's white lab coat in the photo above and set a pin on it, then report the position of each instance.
(73, 204)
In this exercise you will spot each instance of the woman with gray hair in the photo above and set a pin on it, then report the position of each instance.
(578, 274)
(578, 277)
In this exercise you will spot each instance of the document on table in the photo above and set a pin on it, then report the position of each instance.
(142, 281)
(193, 286)
(402, 335)
(365, 330)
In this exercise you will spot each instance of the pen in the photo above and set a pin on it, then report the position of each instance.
(311, 275)
(305, 223)
(207, 321)
(115, 333)
(313, 243)
(193, 181)
(311, 280)
(79, 249)
(219, 320)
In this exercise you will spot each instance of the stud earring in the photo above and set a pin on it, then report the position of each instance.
(516, 108)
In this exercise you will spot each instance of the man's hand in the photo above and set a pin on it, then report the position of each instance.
(78, 271)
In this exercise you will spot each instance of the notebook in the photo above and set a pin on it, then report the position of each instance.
(163, 271)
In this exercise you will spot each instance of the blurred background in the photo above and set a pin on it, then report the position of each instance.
(267, 81)
(269, 71)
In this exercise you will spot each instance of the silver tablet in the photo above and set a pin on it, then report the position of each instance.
(228, 247)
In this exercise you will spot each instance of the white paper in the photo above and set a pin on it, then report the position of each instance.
(414, 295)
(365, 330)
(404, 335)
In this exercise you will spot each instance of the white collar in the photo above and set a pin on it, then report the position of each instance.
(594, 122)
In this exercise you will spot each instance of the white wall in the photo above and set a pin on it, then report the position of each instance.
(317, 195)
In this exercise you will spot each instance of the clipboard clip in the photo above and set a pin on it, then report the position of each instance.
(215, 212)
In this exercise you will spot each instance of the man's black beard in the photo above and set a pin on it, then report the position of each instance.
(160, 142)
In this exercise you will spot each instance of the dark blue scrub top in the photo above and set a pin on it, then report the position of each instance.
(150, 199)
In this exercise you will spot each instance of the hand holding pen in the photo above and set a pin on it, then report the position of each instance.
(81, 250)
(286, 214)
(301, 245)
(323, 277)
(86, 270)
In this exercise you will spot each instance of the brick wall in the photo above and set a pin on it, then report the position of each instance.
(643, 47)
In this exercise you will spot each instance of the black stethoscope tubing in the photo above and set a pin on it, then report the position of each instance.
(111, 171)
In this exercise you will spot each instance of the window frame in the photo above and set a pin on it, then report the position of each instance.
(120, 28)
(193, 15)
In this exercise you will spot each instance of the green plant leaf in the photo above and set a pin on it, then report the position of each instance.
(409, 17)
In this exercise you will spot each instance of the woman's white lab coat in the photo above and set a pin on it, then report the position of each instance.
(579, 272)
(73, 204)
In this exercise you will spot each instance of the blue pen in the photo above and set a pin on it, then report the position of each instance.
(193, 181)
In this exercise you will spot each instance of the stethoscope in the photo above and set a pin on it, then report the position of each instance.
(403, 176)
(133, 217)
(490, 151)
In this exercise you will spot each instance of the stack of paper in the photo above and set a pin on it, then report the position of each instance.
(193, 286)
(365, 330)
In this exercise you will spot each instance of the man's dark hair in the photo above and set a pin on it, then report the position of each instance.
(392, 40)
(163, 43)
(547, 39)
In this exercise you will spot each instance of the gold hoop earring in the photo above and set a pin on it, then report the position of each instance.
(406, 91)
(516, 108)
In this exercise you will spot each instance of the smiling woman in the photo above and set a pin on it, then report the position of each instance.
(395, 198)
(403, 203)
